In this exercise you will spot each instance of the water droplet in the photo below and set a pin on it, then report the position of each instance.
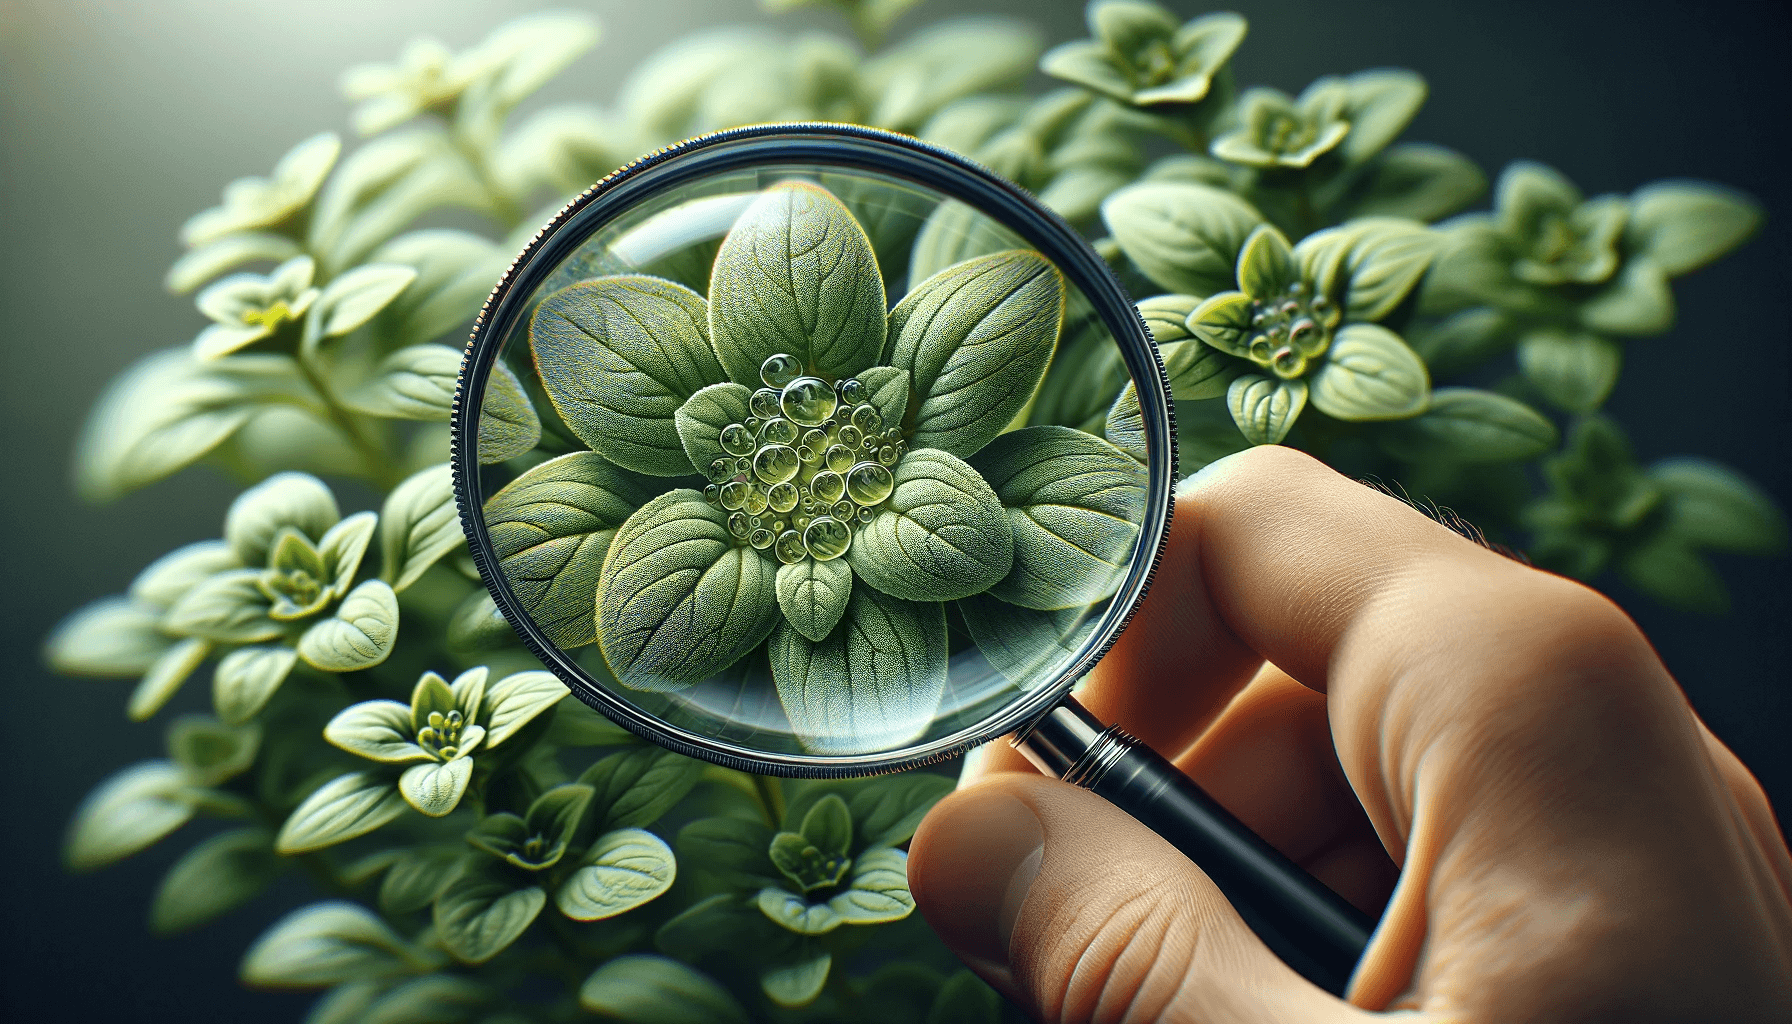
(761, 539)
(807, 455)
(777, 526)
(756, 500)
(827, 487)
(1290, 308)
(783, 497)
(776, 463)
(808, 505)
(827, 539)
(850, 436)
(754, 522)
(752, 423)
(1320, 304)
(737, 439)
(809, 400)
(844, 511)
(780, 370)
(734, 493)
(1259, 319)
(886, 456)
(867, 419)
(721, 470)
(840, 458)
(1297, 288)
(802, 522)
(1278, 332)
(853, 391)
(1288, 362)
(1307, 337)
(816, 438)
(713, 495)
(790, 547)
(764, 403)
(1260, 348)
(864, 515)
(869, 483)
(743, 465)
(778, 431)
(738, 525)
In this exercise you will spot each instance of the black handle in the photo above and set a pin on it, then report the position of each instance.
(1306, 924)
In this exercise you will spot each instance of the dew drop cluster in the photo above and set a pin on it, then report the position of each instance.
(1292, 330)
(807, 467)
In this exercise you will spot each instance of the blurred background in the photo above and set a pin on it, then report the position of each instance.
(119, 120)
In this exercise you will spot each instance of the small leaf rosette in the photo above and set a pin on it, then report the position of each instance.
(825, 487)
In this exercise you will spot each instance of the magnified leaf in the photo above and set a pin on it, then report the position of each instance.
(796, 275)
(657, 990)
(359, 635)
(618, 355)
(813, 595)
(1075, 503)
(478, 915)
(678, 599)
(343, 808)
(873, 684)
(327, 944)
(128, 812)
(702, 419)
(1085, 375)
(943, 533)
(888, 387)
(976, 339)
(623, 870)
(1370, 374)
(508, 423)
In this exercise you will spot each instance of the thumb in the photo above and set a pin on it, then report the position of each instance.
(1077, 912)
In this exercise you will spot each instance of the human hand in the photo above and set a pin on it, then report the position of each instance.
(1494, 753)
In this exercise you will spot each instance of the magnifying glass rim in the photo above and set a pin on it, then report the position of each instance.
(851, 148)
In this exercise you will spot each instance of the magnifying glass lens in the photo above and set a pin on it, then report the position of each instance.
(809, 457)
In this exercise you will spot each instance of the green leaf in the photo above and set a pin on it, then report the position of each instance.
(618, 355)
(1085, 374)
(164, 580)
(1636, 301)
(623, 870)
(515, 701)
(435, 788)
(730, 849)
(1420, 181)
(256, 517)
(955, 232)
(506, 836)
(1712, 506)
(796, 985)
(353, 298)
(247, 677)
(415, 383)
(1185, 237)
(649, 989)
(478, 915)
(635, 787)
(550, 528)
(942, 535)
(209, 751)
(965, 999)
(379, 730)
(227, 608)
(1263, 408)
(678, 598)
(455, 272)
(803, 865)
(509, 426)
(478, 625)
(976, 339)
(345, 807)
(887, 809)
(1670, 571)
(1463, 341)
(1266, 264)
(342, 547)
(1224, 322)
(419, 523)
(1385, 260)
(346, 1003)
(828, 826)
(360, 635)
(941, 63)
(164, 678)
(879, 889)
(326, 944)
(813, 595)
(204, 262)
(873, 684)
(1370, 374)
(417, 878)
(704, 415)
(888, 391)
(1379, 105)
(1574, 371)
(794, 913)
(114, 636)
(385, 185)
(435, 999)
(212, 879)
(1464, 425)
(128, 812)
(1075, 503)
(553, 817)
(1680, 226)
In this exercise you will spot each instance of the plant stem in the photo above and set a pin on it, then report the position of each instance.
(771, 797)
(379, 467)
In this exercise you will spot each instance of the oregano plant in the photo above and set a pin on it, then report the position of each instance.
(482, 846)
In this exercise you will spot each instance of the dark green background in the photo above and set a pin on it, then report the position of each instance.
(117, 121)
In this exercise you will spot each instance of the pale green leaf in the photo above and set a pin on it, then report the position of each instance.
(1635, 302)
(341, 809)
(326, 944)
(1086, 372)
(1574, 371)
(1465, 425)
(1712, 506)
(164, 580)
(385, 185)
(796, 275)
(1385, 260)
(1379, 105)
(211, 752)
(1224, 322)
(794, 913)
(509, 426)
(436, 999)
(678, 598)
(127, 813)
(955, 232)
(353, 298)
(798, 984)
(1186, 238)
(360, 634)
(247, 677)
(873, 684)
(1265, 409)
(212, 879)
(478, 916)
(256, 517)
(419, 523)
(114, 636)
(379, 730)
(976, 339)
(635, 787)
(813, 595)
(435, 788)
(415, 383)
(1370, 374)
(1420, 181)
(1680, 226)
(618, 355)
(227, 608)
(623, 870)
(878, 891)
(419, 876)
(455, 274)
(828, 826)
(515, 701)
(647, 989)
(1266, 264)
(204, 262)
(942, 534)
(1075, 503)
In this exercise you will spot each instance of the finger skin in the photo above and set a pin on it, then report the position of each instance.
(1573, 845)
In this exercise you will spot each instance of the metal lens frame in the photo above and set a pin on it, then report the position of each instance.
(848, 148)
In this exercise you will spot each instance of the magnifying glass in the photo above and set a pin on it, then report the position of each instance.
(816, 451)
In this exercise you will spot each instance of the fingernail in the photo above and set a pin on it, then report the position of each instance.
(982, 858)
